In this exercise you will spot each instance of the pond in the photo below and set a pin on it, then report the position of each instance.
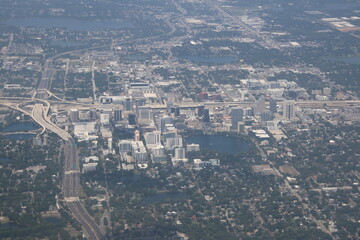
(10, 226)
(136, 57)
(4, 159)
(220, 143)
(21, 127)
(213, 60)
(68, 23)
(164, 196)
(350, 60)
(20, 136)
(339, 6)
(68, 43)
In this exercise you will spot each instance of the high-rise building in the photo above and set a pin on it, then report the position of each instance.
(164, 121)
(128, 104)
(237, 115)
(74, 115)
(289, 110)
(132, 119)
(137, 135)
(193, 147)
(171, 143)
(93, 115)
(260, 107)
(249, 111)
(125, 146)
(117, 115)
(140, 102)
(200, 111)
(266, 116)
(139, 152)
(144, 114)
(152, 138)
(273, 104)
(179, 153)
(206, 115)
(177, 112)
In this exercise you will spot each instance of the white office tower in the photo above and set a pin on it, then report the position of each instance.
(179, 156)
(84, 115)
(193, 147)
(152, 139)
(144, 114)
(174, 142)
(159, 150)
(125, 146)
(289, 110)
(179, 153)
(74, 115)
(139, 152)
(158, 154)
(109, 143)
(137, 135)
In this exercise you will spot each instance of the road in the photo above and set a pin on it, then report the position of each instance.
(71, 178)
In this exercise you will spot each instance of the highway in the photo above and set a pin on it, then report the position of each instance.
(71, 180)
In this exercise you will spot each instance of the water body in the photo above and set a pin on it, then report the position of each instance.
(340, 6)
(165, 196)
(136, 57)
(68, 43)
(68, 23)
(52, 219)
(10, 226)
(213, 60)
(20, 136)
(21, 127)
(220, 143)
(4, 159)
(350, 60)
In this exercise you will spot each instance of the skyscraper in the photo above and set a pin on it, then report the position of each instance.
(128, 104)
(132, 119)
(236, 116)
(289, 110)
(152, 138)
(163, 121)
(273, 104)
(266, 116)
(206, 115)
(117, 115)
(179, 153)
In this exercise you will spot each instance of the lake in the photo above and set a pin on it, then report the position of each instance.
(220, 143)
(350, 60)
(68, 23)
(136, 57)
(20, 136)
(214, 60)
(21, 127)
(68, 43)
(339, 6)
(4, 159)
(165, 196)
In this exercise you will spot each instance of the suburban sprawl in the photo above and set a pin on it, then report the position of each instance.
(179, 119)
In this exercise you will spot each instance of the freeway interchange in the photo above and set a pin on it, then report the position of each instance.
(71, 179)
